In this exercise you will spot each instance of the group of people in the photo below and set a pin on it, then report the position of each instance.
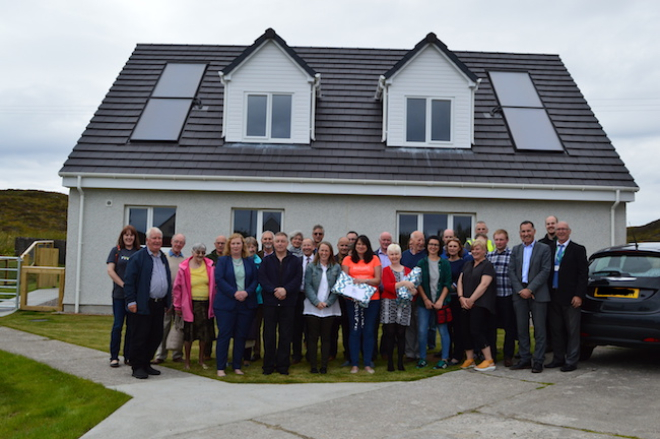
(294, 293)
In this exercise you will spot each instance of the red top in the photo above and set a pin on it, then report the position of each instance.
(389, 292)
(362, 270)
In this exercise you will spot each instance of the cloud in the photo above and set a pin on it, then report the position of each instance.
(63, 57)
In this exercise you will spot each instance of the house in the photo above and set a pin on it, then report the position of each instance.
(211, 139)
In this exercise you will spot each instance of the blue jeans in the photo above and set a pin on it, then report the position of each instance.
(119, 312)
(362, 329)
(424, 316)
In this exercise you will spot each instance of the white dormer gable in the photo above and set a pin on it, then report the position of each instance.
(270, 95)
(428, 99)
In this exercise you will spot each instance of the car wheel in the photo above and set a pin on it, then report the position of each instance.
(585, 351)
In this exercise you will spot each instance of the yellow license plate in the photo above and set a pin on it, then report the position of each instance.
(626, 293)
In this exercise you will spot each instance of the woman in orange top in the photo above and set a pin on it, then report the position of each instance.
(364, 267)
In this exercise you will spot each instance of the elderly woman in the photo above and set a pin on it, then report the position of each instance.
(395, 312)
(433, 295)
(477, 293)
(192, 294)
(235, 302)
(321, 306)
(296, 240)
(364, 267)
(127, 244)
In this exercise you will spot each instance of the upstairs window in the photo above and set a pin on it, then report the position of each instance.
(268, 116)
(428, 120)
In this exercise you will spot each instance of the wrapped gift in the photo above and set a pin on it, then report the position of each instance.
(360, 293)
(415, 276)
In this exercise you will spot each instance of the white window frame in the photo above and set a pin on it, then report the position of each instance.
(428, 114)
(420, 221)
(260, 219)
(150, 215)
(269, 118)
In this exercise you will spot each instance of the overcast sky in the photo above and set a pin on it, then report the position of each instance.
(60, 59)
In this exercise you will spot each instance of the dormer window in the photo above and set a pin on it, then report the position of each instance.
(270, 95)
(428, 120)
(428, 99)
(268, 116)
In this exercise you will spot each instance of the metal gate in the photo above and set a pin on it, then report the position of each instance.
(10, 268)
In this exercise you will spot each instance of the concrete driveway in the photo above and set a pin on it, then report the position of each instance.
(614, 394)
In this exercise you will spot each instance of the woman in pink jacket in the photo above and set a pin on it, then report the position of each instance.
(193, 292)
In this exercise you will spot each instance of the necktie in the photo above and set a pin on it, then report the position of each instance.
(558, 258)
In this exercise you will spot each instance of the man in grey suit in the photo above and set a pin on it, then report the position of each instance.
(529, 269)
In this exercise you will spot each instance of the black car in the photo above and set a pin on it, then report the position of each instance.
(622, 306)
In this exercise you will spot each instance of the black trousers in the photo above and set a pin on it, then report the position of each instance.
(299, 331)
(506, 319)
(146, 334)
(278, 331)
(318, 327)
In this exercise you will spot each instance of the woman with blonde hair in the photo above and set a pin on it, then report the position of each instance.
(477, 293)
(235, 302)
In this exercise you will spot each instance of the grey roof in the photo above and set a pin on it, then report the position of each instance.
(348, 126)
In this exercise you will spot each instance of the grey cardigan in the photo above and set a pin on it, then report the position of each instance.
(313, 275)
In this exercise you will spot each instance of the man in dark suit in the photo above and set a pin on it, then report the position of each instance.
(529, 269)
(568, 286)
(148, 290)
(280, 276)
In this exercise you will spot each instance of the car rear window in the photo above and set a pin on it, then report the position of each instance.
(625, 265)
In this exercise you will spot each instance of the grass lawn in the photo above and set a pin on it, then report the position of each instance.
(94, 332)
(37, 401)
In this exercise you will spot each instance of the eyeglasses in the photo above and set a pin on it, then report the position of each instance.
(200, 253)
(318, 233)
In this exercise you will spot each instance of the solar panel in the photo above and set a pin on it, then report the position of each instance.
(179, 81)
(162, 119)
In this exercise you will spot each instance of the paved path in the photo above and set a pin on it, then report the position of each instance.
(615, 394)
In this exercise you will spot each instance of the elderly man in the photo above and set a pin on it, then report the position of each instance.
(280, 276)
(299, 322)
(174, 258)
(148, 291)
(529, 269)
(266, 244)
(568, 286)
(385, 239)
(415, 253)
(219, 243)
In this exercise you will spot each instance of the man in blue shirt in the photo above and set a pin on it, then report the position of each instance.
(148, 292)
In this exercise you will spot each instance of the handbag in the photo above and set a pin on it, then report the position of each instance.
(175, 337)
(444, 315)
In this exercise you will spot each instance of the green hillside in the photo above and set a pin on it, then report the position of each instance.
(646, 233)
(31, 213)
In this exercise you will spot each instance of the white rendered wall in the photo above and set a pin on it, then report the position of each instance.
(430, 75)
(269, 70)
(201, 216)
